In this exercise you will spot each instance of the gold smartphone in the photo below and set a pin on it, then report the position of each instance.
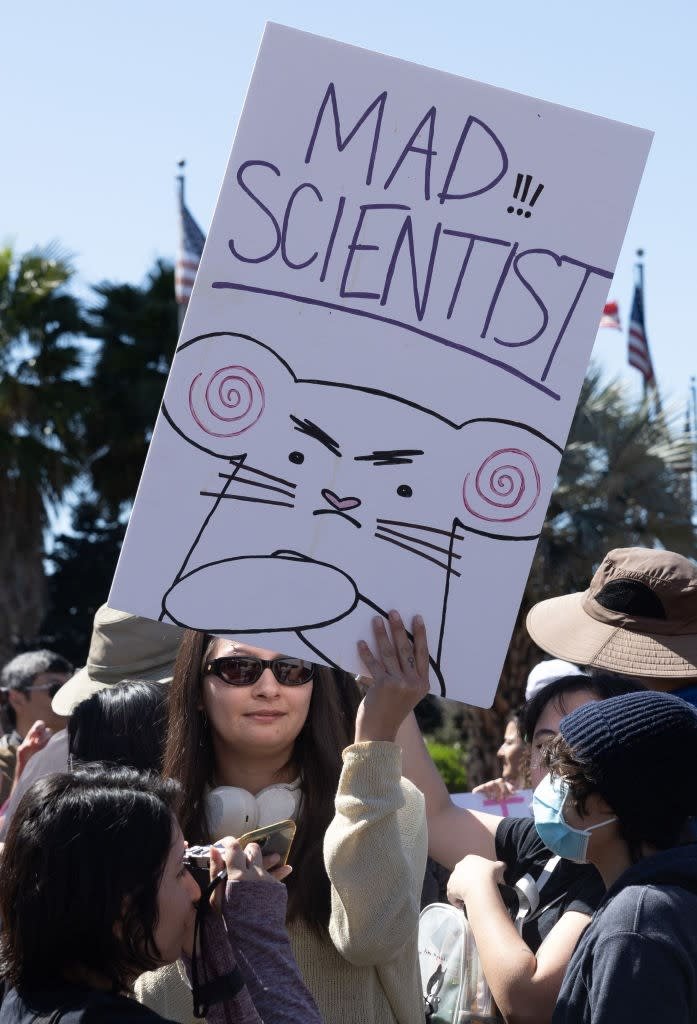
(276, 838)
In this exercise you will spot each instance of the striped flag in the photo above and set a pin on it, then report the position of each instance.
(638, 344)
(191, 242)
(685, 446)
(611, 316)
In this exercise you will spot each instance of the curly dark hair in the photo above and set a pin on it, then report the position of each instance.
(658, 827)
(559, 759)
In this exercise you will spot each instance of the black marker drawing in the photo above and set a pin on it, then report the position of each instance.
(317, 497)
(520, 192)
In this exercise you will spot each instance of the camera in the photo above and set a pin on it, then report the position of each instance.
(276, 838)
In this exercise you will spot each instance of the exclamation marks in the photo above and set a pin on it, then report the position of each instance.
(521, 191)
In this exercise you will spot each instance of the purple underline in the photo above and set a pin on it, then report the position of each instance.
(394, 323)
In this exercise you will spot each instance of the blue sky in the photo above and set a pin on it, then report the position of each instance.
(102, 99)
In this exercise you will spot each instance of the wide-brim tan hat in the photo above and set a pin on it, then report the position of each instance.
(601, 627)
(123, 648)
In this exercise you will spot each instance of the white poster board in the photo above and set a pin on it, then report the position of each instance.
(515, 805)
(380, 360)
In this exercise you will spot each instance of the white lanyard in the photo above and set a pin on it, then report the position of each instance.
(529, 892)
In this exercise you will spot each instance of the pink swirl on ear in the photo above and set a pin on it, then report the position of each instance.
(229, 403)
(505, 488)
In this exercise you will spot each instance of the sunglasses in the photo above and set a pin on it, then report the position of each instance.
(245, 670)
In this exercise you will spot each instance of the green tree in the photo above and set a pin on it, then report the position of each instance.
(136, 326)
(83, 563)
(41, 398)
(448, 760)
(619, 485)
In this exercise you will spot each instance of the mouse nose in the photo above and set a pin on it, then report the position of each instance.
(340, 504)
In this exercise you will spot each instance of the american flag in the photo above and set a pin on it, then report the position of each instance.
(683, 462)
(191, 242)
(638, 344)
(611, 316)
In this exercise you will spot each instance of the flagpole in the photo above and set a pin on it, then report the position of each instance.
(181, 164)
(639, 283)
(693, 438)
(639, 265)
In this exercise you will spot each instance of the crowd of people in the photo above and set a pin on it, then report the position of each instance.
(168, 737)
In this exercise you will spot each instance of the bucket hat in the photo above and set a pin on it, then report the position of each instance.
(123, 647)
(637, 618)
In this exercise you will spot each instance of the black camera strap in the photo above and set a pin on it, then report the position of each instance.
(208, 991)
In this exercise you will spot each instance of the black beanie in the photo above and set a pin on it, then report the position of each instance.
(640, 749)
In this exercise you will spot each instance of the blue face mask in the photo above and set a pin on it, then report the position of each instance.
(558, 836)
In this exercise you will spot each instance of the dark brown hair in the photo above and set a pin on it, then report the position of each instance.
(602, 685)
(559, 759)
(329, 728)
(123, 724)
(81, 847)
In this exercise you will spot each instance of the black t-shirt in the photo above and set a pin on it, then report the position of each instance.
(73, 1004)
(569, 887)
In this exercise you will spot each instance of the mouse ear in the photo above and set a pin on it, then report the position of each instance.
(505, 486)
(510, 467)
(227, 401)
(218, 390)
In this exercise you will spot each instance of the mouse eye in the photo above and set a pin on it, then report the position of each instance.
(404, 491)
(297, 457)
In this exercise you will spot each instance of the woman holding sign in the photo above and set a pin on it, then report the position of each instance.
(255, 737)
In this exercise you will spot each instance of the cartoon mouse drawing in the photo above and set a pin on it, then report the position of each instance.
(320, 496)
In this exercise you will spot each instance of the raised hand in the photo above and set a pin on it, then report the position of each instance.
(495, 789)
(399, 671)
(35, 740)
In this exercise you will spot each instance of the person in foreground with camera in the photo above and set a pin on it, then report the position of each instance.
(95, 890)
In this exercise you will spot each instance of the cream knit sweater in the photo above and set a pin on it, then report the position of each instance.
(375, 855)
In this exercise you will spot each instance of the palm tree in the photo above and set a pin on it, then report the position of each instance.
(137, 328)
(619, 485)
(40, 426)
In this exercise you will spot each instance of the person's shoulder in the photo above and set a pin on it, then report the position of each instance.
(70, 1006)
(518, 837)
(9, 742)
(8, 756)
(107, 1008)
(642, 907)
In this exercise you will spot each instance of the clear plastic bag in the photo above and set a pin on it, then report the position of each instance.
(455, 989)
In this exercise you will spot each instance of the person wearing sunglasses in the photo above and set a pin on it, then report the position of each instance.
(28, 683)
(255, 737)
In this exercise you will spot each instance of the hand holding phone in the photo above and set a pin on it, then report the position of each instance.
(248, 858)
(272, 839)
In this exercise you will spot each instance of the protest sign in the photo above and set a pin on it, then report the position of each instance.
(515, 805)
(380, 360)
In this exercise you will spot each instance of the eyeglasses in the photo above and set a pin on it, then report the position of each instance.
(52, 688)
(245, 670)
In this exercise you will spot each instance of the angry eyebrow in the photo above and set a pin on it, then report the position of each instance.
(397, 457)
(312, 430)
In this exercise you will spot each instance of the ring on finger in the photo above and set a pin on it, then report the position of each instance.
(411, 661)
